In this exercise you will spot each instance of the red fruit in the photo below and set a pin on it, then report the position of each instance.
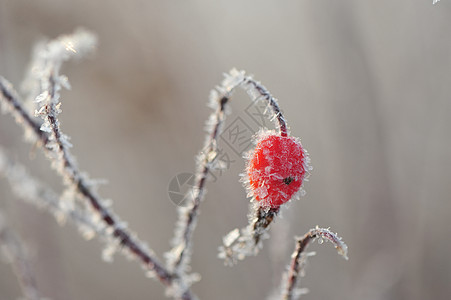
(276, 169)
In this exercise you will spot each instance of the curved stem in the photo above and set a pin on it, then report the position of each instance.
(299, 257)
(283, 130)
(180, 254)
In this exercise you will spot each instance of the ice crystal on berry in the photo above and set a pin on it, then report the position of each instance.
(276, 169)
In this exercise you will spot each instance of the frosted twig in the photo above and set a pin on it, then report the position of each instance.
(258, 92)
(262, 220)
(56, 147)
(245, 242)
(299, 257)
(179, 256)
(30, 190)
(10, 103)
(16, 254)
(239, 244)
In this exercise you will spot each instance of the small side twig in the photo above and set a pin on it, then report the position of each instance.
(239, 244)
(299, 258)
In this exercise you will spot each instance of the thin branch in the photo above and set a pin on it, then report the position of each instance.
(74, 177)
(238, 244)
(265, 94)
(179, 256)
(299, 257)
(12, 104)
(55, 146)
(32, 191)
(263, 219)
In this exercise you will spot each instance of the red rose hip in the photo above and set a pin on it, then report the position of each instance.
(276, 169)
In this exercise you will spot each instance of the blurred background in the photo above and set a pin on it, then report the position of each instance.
(365, 84)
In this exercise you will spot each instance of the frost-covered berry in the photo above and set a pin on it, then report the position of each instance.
(276, 169)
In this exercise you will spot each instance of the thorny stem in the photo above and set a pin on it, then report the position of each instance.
(71, 172)
(298, 261)
(19, 261)
(205, 164)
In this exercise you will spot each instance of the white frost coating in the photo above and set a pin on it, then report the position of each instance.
(231, 237)
(178, 257)
(327, 235)
(88, 207)
(32, 191)
(109, 251)
(89, 223)
(47, 63)
(435, 1)
(48, 56)
(240, 243)
(8, 107)
(263, 134)
(65, 47)
(231, 80)
(44, 75)
(261, 192)
(300, 256)
(44, 71)
(250, 238)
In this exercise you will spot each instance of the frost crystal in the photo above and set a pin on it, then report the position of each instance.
(276, 169)
(230, 238)
(32, 191)
(108, 252)
(239, 244)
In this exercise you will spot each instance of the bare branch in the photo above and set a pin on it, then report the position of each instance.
(56, 147)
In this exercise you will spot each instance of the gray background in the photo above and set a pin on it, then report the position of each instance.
(365, 84)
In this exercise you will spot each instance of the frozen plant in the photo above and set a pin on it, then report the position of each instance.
(299, 259)
(80, 194)
(275, 172)
(276, 169)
